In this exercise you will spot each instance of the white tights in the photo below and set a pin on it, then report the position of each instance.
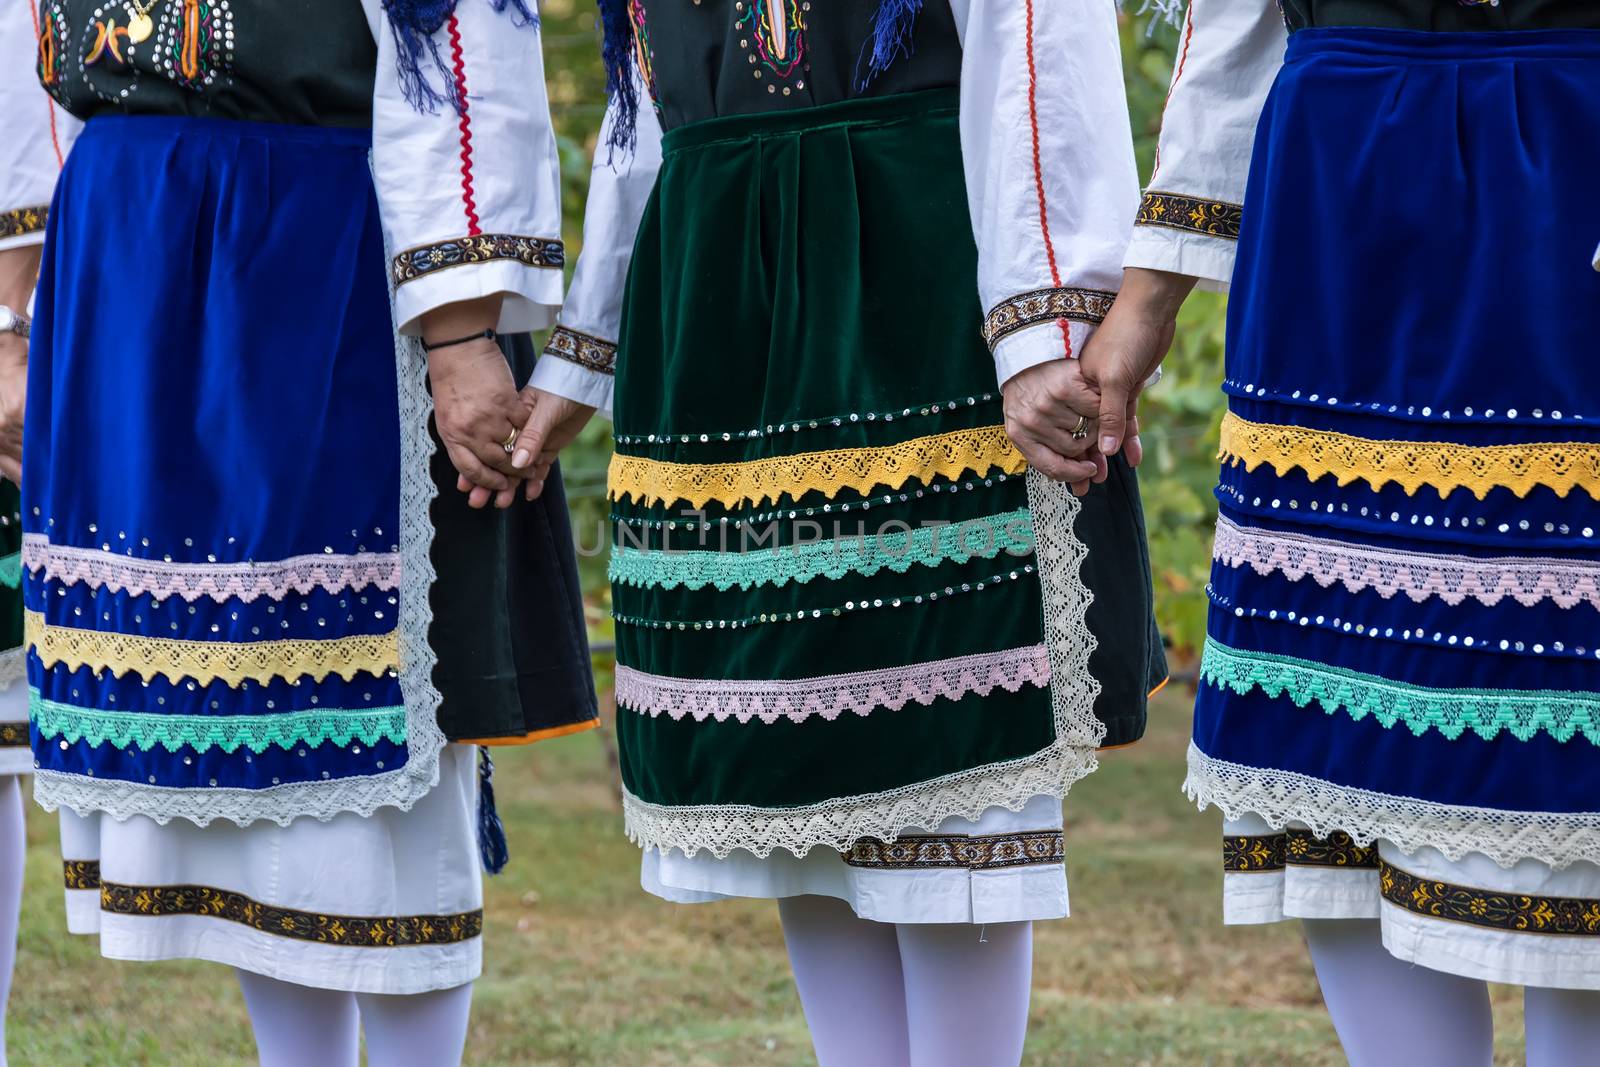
(298, 1026)
(908, 995)
(13, 851)
(1387, 1011)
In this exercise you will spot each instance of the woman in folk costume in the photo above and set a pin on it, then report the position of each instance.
(854, 668)
(37, 135)
(1398, 709)
(230, 512)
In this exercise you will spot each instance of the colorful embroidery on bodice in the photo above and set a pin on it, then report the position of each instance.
(775, 33)
(194, 41)
(641, 45)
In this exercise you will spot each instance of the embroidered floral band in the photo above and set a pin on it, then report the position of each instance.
(1485, 712)
(1443, 465)
(355, 931)
(145, 731)
(13, 735)
(81, 874)
(991, 852)
(829, 696)
(276, 579)
(22, 221)
(1419, 575)
(1269, 853)
(896, 550)
(949, 455)
(1511, 912)
(586, 350)
(208, 661)
(482, 248)
(1215, 218)
(1045, 305)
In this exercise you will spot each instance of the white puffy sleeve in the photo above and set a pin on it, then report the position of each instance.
(580, 359)
(469, 187)
(1188, 222)
(35, 132)
(1051, 177)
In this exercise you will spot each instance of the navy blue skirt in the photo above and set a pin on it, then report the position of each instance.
(1405, 618)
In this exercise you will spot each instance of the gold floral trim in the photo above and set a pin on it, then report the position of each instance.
(480, 248)
(1511, 912)
(81, 874)
(24, 220)
(1215, 218)
(353, 931)
(586, 350)
(209, 661)
(13, 735)
(948, 455)
(1443, 465)
(1045, 305)
(991, 852)
(1265, 853)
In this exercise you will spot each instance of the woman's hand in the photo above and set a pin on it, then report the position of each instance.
(553, 422)
(1127, 349)
(475, 403)
(1050, 417)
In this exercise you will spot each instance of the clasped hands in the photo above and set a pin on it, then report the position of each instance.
(1047, 402)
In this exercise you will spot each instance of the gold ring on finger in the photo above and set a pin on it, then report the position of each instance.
(510, 443)
(1080, 431)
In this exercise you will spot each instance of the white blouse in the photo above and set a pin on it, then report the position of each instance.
(1051, 185)
(36, 133)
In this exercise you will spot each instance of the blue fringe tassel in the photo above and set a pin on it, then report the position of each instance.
(891, 38)
(491, 832)
(616, 52)
(414, 24)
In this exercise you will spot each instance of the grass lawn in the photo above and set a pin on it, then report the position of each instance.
(584, 969)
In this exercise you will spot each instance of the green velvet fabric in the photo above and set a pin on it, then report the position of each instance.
(814, 265)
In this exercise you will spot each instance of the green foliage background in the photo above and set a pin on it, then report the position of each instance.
(1180, 417)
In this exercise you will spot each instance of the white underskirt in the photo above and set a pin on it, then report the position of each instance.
(1562, 961)
(418, 863)
(921, 895)
(14, 709)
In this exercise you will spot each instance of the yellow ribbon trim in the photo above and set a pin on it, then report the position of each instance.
(1412, 464)
(209, 661)
(946, 455)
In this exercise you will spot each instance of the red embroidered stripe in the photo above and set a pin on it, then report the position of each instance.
(1038, 175)
(1183, 57)
(460, 66)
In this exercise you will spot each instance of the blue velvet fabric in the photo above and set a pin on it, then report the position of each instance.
(1414, 265)
(213, 380)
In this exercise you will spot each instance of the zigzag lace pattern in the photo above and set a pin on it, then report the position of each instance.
(841, 822)
(831, 696)
(1442, 465)
(1558, 839)
(127, 730)
(1419, 575)
(899, 550)
(753, 482)
(1453, 712)
(276, 579)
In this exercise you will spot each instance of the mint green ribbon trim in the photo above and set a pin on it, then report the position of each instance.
(1486, 712)
(11, 570)
(898, 549)
(132, 729)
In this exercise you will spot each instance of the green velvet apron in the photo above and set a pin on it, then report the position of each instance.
(826, 585)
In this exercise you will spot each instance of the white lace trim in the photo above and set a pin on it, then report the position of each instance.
(723, 828)
(1282, 797)
(424, 740)
(1419, 575)
(830, 696)
(332, 572)
(13, 666)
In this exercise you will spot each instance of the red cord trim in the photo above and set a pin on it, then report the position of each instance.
(460, 67)
(1183, 58)
(55, 142)
(1038, 176)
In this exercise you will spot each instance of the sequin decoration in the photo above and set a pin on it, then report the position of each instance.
(194, 41)
(774, 33)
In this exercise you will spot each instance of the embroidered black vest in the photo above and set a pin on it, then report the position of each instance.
(306, 62)
(1462, 16)
(740, 57)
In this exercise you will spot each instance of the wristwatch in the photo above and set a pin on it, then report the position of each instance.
(14, 322)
